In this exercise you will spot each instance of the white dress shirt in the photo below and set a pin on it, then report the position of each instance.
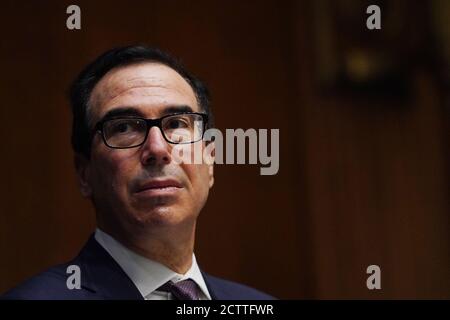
(148, 275)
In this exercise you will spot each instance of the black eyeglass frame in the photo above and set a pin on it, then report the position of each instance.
(151, 123)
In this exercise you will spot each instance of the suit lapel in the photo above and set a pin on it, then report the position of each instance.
(101, 274)
(215, 295)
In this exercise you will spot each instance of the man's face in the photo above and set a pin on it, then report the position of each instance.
(142, 186)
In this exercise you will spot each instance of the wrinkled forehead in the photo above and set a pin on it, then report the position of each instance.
(148, 86)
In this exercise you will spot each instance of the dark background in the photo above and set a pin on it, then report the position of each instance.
(364, 132)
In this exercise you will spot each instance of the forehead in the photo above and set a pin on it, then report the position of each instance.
(148, 87)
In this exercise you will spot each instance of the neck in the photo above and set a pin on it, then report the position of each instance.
(171, 247)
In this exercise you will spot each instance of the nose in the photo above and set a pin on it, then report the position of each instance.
(155, 150)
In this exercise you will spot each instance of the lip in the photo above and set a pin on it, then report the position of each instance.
(157, 187)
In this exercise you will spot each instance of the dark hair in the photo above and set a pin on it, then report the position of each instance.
(81, 88)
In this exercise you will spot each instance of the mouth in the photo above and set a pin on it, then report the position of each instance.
(158, 187)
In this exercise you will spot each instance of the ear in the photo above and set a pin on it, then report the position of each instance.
(82, 167)
(211, 174)
(209, 157)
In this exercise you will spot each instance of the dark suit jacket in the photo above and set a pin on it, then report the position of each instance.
(102, 278)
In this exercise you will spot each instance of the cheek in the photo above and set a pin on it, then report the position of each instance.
(199, 179)
(111, 173)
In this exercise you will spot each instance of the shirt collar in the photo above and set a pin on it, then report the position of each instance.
(146, 274)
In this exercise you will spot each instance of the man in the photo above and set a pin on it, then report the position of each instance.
(131, 108)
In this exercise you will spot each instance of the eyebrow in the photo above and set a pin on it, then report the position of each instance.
(131, 111)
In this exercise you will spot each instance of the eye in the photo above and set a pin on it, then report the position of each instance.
(122, 127)
(177, 124)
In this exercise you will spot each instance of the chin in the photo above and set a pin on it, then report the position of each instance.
(159, 216)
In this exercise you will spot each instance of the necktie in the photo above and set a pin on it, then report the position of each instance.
(182, 290)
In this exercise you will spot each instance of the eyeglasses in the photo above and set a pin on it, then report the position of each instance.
(130, 132)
